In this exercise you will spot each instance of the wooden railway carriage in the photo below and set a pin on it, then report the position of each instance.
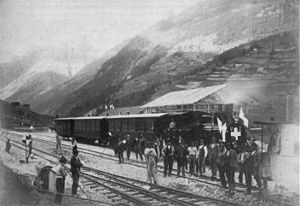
(64, 127)
(190, 126)
(90, 129)
(148, 125)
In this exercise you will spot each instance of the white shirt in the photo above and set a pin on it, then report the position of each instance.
(205, 150)
(192, 150)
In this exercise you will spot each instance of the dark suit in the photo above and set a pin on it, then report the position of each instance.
(220, 164)
(213, 155)
(75, 170)
(181, 153)
(252, 168)
(230, 164)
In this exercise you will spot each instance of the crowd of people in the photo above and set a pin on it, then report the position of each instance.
(226, 159)
(222, 158)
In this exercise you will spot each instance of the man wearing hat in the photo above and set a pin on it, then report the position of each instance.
(60, 172)
(75, 170)
(252, 166)
(168, 155)
(213, 150)
(201, 156)
(151, 157)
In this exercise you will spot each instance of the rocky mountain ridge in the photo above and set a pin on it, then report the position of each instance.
(178, 50)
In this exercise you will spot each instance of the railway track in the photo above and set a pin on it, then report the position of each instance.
(132, 190)
(277, 201)
(203, 179)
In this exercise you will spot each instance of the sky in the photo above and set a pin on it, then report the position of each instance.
(93, 25)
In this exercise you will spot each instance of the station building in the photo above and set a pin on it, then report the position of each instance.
(209, 99)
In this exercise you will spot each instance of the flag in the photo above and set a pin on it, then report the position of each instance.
(219, 124)
(224, 129)
(242, 116)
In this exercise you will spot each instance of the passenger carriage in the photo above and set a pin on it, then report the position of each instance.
(91, 129)
(149, 126)
(189, 127)
(64, 127)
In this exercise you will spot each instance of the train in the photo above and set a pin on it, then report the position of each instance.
(190, 126)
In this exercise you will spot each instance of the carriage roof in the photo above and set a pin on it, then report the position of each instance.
(137, 116)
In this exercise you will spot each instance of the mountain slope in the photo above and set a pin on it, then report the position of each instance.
(33, 85)
(12, 70)
(176, 49)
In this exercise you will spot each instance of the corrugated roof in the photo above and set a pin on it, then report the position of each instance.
(136, 116)
(183, 97)
(90, 117)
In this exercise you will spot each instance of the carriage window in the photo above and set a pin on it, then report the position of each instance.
(149, 124)
(139, 125)
(120, 126)
(88, 124)
(94, 125)
(124, 122)
(111, 125)
(133, 125)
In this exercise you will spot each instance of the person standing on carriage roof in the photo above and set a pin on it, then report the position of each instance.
(61, 173)
(75, 170)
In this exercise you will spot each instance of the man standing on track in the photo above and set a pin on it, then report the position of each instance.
(168, 154)
(252, 168)
(192, 157)
(75, 170)
(61, 173)
(230, 164)
(128, 146)
(181, 153)
(221, 162)
(58, 143)
(151, 157)
(141, 147)
(201, 156)
(213, 155)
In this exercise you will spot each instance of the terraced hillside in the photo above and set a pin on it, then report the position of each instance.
(180, 50)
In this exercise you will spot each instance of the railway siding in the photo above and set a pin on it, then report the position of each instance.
(128, 171)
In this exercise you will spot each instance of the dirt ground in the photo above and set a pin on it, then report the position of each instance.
(127, 171)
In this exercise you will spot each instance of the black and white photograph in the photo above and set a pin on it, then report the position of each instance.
(149, 103)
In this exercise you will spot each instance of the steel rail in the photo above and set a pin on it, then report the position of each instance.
(280, 202)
